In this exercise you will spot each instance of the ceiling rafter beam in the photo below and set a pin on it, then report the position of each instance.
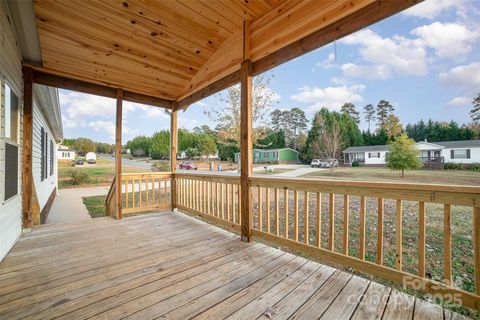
(62, 82)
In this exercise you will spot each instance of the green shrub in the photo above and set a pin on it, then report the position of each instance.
(78, 177)
(462, 166)
(162, 166)
(355, 163)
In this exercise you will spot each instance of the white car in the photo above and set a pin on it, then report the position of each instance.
(316, 163)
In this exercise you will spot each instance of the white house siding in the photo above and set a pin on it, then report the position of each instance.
(43, 188)
(474, 155)
(65, 155)
(375, 161)
(11, 72)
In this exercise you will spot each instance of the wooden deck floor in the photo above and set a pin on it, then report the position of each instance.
(173, 266)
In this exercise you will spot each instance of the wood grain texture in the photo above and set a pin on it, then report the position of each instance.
(208, 274)
(27, 175)
(118, 154)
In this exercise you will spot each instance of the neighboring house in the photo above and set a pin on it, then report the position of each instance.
(65, 153)
(46, 129)
(465, 151)
(284, 155)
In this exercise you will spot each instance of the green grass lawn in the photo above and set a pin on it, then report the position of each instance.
(457, 177)
(99, 175)
(95, 205)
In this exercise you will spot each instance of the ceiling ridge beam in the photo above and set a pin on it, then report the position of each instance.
(53, 80)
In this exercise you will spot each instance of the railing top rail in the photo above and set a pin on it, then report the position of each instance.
(370, 184)
(209, 175)
(151, 174)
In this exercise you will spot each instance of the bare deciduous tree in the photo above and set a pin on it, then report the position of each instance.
(329, 145)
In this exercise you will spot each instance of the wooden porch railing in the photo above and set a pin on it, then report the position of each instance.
(110, 201)
(142, 192)
(314, 217)
(379, 229)
(216, 198)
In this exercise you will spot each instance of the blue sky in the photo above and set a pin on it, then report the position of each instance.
(425, 61)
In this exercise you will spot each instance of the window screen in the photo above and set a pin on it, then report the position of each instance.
(11, 170)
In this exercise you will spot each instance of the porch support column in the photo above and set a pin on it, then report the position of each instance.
(246, 138)
(118, 155)
(173, 154)
(27, 176)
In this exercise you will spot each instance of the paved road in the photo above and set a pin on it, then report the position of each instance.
(68, 205)
(128, 162)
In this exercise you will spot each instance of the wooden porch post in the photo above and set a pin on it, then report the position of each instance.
(173, 154)
(118, 155)
(246, 137)
(27, 176)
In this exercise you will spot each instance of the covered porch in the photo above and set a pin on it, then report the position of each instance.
(169, 265)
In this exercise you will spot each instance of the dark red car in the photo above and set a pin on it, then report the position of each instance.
(188, 165)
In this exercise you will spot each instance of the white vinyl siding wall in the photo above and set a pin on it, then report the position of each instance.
(11, 72)
(43, 188)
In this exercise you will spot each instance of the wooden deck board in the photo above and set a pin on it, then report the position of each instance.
(173, 266)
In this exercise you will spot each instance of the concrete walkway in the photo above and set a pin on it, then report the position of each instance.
(68, 205)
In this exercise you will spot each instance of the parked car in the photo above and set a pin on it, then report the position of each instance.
(316, 163)
(329, 163)
(188, 165)
(91, 158)
(79, 162)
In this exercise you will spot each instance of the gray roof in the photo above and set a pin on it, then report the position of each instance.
(459, 144)
(367, 148)
(446, 144)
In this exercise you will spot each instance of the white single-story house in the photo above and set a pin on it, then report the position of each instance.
(65, 153)
(46, 128)
(465, 151)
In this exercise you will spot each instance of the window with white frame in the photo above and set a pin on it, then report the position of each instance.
(374, 154)
(11, 114)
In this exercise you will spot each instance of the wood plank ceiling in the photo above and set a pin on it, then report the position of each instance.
(171, 48)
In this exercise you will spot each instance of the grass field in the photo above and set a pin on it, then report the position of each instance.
(99, 175)
(95, 205)
(386, 175)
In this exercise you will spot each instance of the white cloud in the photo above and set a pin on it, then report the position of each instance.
(187, 123)
(108, 127)
(69, 123)
(466, 77)
(459, 101)
(79, 105)
(449, 40)
(331, 97)
(386, 56)
(430, 9)
(328, 62)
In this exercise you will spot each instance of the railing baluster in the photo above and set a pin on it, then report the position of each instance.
(295, 214)
(346, 208)
(260, 217)
(380, 232)
(447, 243)
(233, 203)
(277, 214)
(267, 202)
(285, 200)
(217, 199)
(239, 194)
(305, 217)
(133, 193)
(399, 236)
(362, 228)
(222, 201)
(147, 190)
(331, 223)
(126, 193)
(318, 227)
(227, 191)
(476, 247)
(153, 191)
(421, 239)
(140, 204)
